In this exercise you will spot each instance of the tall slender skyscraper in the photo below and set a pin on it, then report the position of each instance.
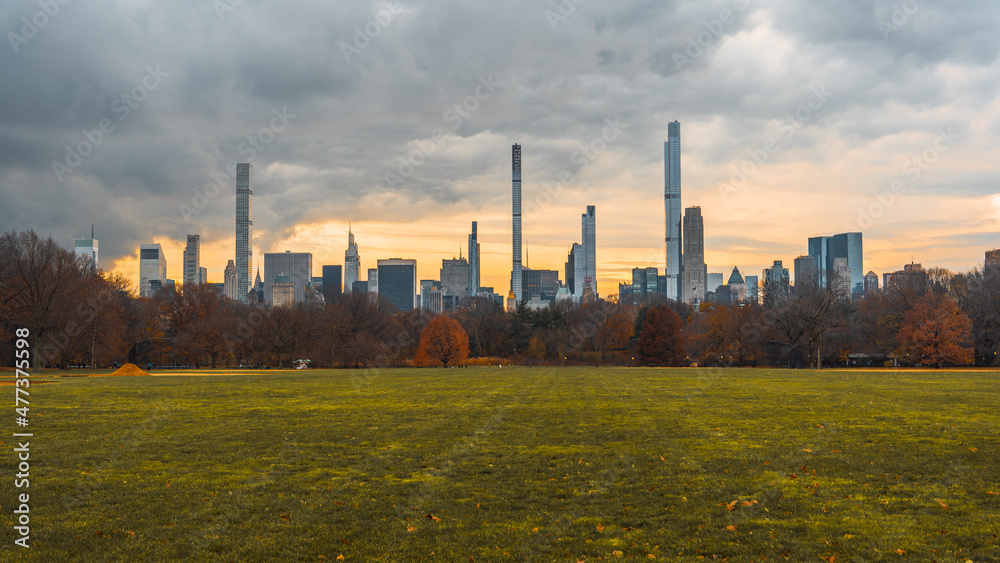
(473, 261)
(695, 273)
(352, 263)
(672, 208)
(244, 229)
(85, 250)
(515, 275)
(590, 245)
(192, 261)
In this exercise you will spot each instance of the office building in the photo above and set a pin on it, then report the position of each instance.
(331, 283)
(871, 283)
(714, 281)
(737, 287)
(282, 289)
(85, 250)
(805, 271)
(694, 276)
(359, 287)
(644, 284)
(992, 256)
(540, 285)
(397, 281)
(849, 246)
(352, 262)
(753, 289)
(192, 261)
(203, 275)
(775, 282)
(230, 281)
(244, 229)
(455, 277)
(474, 279)
(372, 280)
(515, 274)
(296, 265)
(672, 209)
(840, 278)
(152, 269)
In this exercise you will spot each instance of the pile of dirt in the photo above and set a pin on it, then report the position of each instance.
(129, 369)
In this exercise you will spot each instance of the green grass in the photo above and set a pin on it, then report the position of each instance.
(514, 464)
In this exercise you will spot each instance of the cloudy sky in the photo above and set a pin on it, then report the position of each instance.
(798, 119)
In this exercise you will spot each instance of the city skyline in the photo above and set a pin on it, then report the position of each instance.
(846, 125)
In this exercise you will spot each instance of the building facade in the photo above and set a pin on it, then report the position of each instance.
(244, 229)
(397, 281)
(352, 263)
(474, 271)
(694, 277)
(672, 209)
(848, 246)
(229, 284)
(192, 261)
(332, 283)
(296, 265)
(152, 268)
(515, 273)
(85, 250)
(455, 277)
(805, 271)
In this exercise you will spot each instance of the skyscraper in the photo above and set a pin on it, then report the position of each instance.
(230, 280)
(775, 282)
(515, 274)
(352, 263)
(85, 250)
(579, 253)
(372, 280)
(455, 277)
(244, 229)
(805, 271)
(695, 273)
(590, 244)
(753, 289)
(192, 261)
(845, 245)
(474, 283)
(332, 279)
(397, 280)
(672, 208)
(152, 268)
(296, 265)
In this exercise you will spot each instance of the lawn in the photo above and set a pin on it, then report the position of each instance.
(513, 464)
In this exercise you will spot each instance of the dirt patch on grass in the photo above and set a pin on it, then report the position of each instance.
(129, 369)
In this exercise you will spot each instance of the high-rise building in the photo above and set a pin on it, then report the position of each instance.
(331, 283)
(589, 239)
(840, 279)
(230, 280)
(282, 289)
(202, 275)
(152, 268)
(85, 250)
(695, 274)
(845, 245)
(397, 281)
(579, 253)
(296, 265)
(737, 287)
(540, 285)
(805, 271)
(474, 280)
(372, 280)
(244, 229)
(192, 261)
(753, 289)
(570, 270)
(672, 209)
(775, 282)
(352, 263)
(455, 277)
(714, 281)
(871, 283)
(515, 274)
(992, 256)
(644, 284)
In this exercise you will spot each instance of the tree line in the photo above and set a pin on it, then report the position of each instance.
(79, 316)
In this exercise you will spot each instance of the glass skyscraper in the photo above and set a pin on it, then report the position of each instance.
(515, 273)
(244, 229)
(397, 281)
(672, 208)
(825, 250)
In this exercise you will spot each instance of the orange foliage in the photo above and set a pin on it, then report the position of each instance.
(936, 332)
(442, 340)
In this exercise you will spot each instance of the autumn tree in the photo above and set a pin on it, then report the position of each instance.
(936, 332)
(661, 340)
(443, 340)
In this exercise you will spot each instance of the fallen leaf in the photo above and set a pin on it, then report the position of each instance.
(793, 476)
(600, 527)
(748, 502)
(992, 493)
(941, 502)
(900, 552)
(731, 528)
(411, 528)
(340, 557)
(731, 505)
(807, 451)
(973, 449)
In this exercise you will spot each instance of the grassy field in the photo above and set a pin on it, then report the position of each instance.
(513, 464)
